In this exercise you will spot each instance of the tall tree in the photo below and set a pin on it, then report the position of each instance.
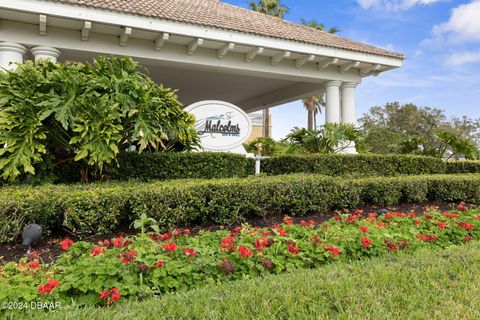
(314, 104)
(269, 7)
(276, 9)
(407, 128)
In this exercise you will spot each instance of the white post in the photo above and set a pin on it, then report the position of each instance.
(332, 112)
(257, 164)
(10, 54)
(47, 53)
(348, 110)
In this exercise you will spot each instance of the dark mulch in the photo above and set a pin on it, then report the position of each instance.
(48, 248)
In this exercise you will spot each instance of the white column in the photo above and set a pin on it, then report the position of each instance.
(11, 53)
(332, 112)
(47, 53)
(348, 110)
(348, 102)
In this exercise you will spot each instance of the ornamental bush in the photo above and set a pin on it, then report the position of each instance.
(150, 264)
(51, 114)
(361, 164)
(102, 207)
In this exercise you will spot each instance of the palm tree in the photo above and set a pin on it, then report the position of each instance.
(275, 9)
(314, 104)
(269, 7)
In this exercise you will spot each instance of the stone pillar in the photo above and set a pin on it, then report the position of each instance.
(332, 112)
(11, 53)
(348, 110)
(45, 53)
(348, 102)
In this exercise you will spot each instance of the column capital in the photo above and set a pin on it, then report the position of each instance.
(45, 52)
(13, 47)
(349, 85)
(333, 83)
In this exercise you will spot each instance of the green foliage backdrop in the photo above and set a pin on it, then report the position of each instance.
(51, 113)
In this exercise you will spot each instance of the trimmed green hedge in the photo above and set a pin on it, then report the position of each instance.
(363, 165)
(466, 166)
(99, 208)
(174, 165)
(210, 165)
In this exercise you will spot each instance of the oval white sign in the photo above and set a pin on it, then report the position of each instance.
(220, 125)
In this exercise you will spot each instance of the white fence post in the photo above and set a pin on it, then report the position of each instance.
(257, 164)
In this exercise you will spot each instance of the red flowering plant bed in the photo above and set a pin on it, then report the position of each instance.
(151, 263)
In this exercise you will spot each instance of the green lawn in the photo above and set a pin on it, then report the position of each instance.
(427, 285)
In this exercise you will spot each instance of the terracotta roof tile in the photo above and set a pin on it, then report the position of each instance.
(213, 13)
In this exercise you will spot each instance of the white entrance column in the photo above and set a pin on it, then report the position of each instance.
(332, 112)
(47, 53)
(348, 102)
(348, 110)
(11, 53)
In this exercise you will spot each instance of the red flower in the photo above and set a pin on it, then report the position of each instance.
(48, 287)
(110, 296)
(309, 223)
(281, 231)
(158, 264)
(337, 217)
(34, 254)
(442, 225)
(450, 215)
(358, 211)
(287, 220)
(34, 264)
(466, 226)
(334, 250)
(363, 228)
(66, 243)
(97, 250)
(381, 224)
(265, 233)
(119, 242)
(372, 215)
(461, 207)
(244, 251)
(227, 242)
(388, 216)
(172, 246)
(165, 236)
(427, 237)
(468, 238)
(293, 249)
(366, 242)
(186, 232)
(261, 243)
(128, 256)
(352, 218)
(190, 252)
(411, 215)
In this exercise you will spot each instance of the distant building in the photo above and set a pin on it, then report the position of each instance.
(257, 126)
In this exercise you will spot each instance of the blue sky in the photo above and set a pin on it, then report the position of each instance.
(441, 39)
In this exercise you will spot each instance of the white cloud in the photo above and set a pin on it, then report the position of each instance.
(463, 25)
(393, 5)
(464, 57)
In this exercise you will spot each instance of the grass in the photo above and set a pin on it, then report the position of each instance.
(442, 284)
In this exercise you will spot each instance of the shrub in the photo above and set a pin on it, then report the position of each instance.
(364, 165)
(87, 113)
(172, 165)
(99, 208)
(151, 263)
(463, 167)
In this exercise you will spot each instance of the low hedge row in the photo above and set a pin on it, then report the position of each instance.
(364, 165)
(209, 165)
(99, 208)
(466, 166)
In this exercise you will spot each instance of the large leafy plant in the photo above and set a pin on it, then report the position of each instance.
(87, 113)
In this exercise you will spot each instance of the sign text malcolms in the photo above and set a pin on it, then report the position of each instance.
(218, 127)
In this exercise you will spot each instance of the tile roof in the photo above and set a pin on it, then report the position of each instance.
(213, 13)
